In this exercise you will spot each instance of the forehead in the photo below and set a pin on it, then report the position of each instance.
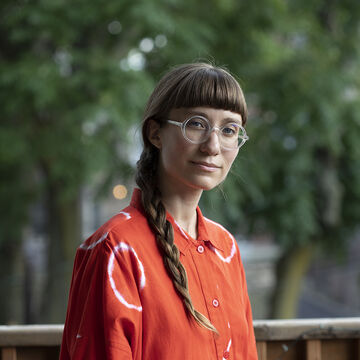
(214, 115)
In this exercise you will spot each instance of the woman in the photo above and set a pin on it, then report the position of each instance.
(159, 280)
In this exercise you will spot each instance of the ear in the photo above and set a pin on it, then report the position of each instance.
(153, 133)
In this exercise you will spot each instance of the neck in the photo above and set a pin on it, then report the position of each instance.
(182, 208)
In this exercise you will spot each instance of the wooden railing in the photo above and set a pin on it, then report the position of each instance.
(308, 339)
(312, 339)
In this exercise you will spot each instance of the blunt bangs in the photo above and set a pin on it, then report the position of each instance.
(211, 87)
(194, 85)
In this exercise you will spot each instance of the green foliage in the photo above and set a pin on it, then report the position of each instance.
(66, 102)
(69, 95)
(299, 173)
(74, 79)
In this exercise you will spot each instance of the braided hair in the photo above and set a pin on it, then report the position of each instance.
(189, 85)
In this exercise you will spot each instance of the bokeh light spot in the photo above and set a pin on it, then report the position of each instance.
(114, 27)
(160, 40)
(146, 45)
(120, 192)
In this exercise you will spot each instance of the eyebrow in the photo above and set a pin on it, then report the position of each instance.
(224, 120)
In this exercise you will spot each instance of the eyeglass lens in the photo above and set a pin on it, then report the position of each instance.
(198, 130)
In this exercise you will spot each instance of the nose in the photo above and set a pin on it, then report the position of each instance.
(212, 144)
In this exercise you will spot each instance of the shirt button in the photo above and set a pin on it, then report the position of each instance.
(215, 303)
(226, 354)
(200, 249)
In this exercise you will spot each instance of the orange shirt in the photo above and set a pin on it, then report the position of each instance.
(123, 305)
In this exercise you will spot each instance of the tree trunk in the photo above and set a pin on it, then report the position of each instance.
(290, 270)
(11, 277)
(64, 229)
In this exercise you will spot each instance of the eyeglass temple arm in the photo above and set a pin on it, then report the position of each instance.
(177, 123)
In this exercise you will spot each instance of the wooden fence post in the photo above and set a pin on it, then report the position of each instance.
(313, 350)
(8, 353)
(261, 350)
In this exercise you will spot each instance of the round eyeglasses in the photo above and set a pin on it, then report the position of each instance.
(197, 130)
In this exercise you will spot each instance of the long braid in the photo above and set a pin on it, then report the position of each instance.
(146, 179)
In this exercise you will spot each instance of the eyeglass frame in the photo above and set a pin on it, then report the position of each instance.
(182, 125)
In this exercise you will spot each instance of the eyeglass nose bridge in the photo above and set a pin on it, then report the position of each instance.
(217, 131)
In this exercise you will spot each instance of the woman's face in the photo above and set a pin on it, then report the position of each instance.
(186, 166)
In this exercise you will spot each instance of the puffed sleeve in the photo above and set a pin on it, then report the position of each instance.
(104, 317)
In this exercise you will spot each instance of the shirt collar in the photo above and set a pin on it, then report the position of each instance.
(205, 233)
(181, 238)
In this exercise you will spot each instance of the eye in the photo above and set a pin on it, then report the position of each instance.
(197, 123)
(230, 130)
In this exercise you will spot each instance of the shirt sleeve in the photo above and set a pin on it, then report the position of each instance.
(104, 317)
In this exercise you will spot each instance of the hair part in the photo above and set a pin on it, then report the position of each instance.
(189, 85)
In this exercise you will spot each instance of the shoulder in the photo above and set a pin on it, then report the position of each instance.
(122, 243)
(127, 226)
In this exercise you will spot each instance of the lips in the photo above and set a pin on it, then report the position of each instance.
(203, 165)
(206, 164)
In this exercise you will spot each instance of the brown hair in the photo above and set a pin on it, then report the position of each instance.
(189, 85)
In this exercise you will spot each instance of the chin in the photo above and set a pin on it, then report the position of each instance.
(207, 185)
(204, 183)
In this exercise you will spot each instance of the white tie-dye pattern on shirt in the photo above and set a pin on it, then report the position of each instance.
(83, 246)
(120, 247)
(125, 247)
(103, 237)
(228, 348)
(128, 216)
(233, 248)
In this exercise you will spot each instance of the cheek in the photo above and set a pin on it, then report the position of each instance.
(228, 161)
(171, 140)
(229, 158)
(173, 150)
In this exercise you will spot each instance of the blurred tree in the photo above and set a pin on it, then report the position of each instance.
(68, 110)
(74, 77)
(300, 173)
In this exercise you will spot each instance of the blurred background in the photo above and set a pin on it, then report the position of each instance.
(74, 80)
